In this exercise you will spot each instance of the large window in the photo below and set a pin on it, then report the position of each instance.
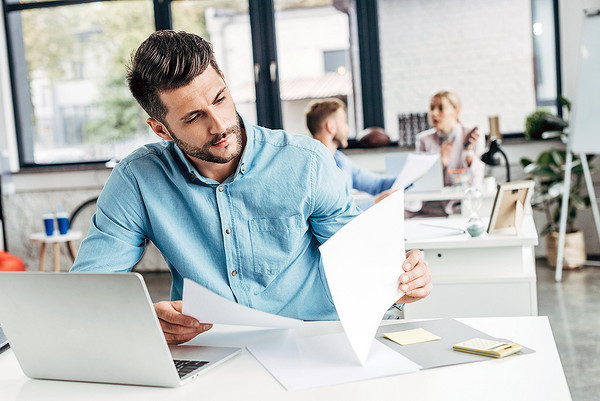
(68, 67)
(67, 62)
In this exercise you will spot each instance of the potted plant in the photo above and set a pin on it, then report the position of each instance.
(548, 171)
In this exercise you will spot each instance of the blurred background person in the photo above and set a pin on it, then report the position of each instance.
(460, 147)
(327, 122)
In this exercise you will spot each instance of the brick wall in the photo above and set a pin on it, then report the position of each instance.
(481, 49)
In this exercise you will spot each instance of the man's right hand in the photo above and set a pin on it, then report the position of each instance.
(177, 327)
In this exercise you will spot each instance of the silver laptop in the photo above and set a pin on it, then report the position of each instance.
(433, 180)
(94, 328)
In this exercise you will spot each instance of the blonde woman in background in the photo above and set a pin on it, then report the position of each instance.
(460, 146)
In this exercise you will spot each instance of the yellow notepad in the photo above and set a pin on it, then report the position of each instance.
(493, 348)
(413, 336)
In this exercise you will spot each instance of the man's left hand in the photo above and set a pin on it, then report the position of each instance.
(415, 282)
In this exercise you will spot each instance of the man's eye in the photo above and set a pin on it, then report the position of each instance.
(191, 120)
(219, 100)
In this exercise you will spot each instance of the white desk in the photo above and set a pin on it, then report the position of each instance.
(537, 376)
(490, 275)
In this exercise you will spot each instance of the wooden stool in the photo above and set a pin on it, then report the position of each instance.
(55, 240)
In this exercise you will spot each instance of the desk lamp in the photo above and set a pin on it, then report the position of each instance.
(490, 158)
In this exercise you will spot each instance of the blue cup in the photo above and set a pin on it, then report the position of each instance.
(49, 224)
(62, 220)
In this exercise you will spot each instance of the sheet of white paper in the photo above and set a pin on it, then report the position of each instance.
(416, 166)
(419, 229)
(363, 263)
(208, 307)
(306, 362)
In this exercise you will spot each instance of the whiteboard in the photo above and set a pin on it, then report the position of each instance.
(584, 133)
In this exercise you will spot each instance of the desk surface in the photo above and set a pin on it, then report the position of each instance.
(537, 376)
(528, 238)
(446, 193)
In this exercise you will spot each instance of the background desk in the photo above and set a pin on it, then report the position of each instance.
(491, 275)
(454, 194)
(537, 376)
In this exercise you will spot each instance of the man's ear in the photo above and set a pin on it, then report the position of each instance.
(159, 129)
(330, 126)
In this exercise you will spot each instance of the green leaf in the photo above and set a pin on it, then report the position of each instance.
(557, 157)
(526, 161)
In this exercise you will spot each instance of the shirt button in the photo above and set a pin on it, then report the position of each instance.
(243, 169)
(192, 177)
(234, 273)
(221, 188)
(228, 231)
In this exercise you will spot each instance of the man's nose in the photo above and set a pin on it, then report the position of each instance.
(218, 123)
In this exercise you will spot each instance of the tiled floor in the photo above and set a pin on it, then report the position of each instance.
(573, 307)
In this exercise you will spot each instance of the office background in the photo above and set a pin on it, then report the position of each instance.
(408, 33)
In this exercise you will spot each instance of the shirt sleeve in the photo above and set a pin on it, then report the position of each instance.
(365, 180)
(117, 228)
(332, 204)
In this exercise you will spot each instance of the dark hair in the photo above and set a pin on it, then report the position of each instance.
(166, 60)
(319, 111)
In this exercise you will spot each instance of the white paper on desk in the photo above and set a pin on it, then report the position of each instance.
(208, 307)
(415, 167)
(422, 229)
(301, 363)
(363, 263)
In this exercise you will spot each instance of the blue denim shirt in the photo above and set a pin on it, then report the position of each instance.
(253, 238)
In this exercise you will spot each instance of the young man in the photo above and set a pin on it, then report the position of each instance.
(327, 121)
(237, 208)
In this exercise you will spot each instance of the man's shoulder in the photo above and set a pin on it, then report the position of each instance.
(147, 151)
(285, 140)
(157, 154)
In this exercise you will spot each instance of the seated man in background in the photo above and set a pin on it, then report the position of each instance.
(237, 208)
(327, 121)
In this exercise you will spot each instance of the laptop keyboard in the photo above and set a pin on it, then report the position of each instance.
(184, 366)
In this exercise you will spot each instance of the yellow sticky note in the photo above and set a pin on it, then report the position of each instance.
(413, 336)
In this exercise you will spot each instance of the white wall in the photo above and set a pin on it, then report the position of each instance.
(482, 50)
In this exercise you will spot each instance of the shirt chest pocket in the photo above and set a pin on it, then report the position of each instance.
(275, 242)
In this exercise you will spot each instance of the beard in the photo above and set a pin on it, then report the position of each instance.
(340, 141)
(204, 152)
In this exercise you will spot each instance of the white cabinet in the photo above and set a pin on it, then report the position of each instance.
(491, 275)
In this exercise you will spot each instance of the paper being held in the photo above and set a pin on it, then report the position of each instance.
(416, 166)
(363, 263)
(208, 307)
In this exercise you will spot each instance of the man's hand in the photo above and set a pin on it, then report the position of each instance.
(177, 327)
(415, 283)
(382, 195)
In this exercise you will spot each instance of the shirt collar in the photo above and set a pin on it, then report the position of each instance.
(188, 169)
(451, 136)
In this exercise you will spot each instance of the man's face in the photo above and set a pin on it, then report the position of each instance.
(201, 119)
(342, 129)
